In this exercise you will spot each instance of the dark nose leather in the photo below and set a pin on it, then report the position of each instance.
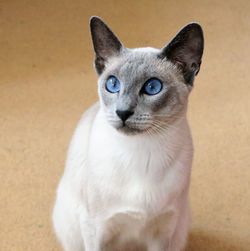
(124, 115)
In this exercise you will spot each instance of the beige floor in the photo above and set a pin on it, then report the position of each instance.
(47, 81)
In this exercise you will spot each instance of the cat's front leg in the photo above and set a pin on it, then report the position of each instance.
(169, 231)
(90, 243)
(92, 232)
(164, 245)
(158, 245)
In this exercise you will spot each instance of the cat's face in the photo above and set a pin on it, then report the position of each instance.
(145, 89)
(151, 88)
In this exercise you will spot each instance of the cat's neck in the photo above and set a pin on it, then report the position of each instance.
(134, 152)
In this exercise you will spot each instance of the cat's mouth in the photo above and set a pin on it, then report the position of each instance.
(131, 128)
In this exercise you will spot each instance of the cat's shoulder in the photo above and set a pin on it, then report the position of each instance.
(90, 113)
(80, 140)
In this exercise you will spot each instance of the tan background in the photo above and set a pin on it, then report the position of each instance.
(47, 81)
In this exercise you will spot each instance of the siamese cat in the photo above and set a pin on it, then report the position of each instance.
(126, 180)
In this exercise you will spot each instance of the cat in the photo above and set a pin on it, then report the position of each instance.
(126, 180)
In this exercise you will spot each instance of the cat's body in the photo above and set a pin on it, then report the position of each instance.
(127, 190)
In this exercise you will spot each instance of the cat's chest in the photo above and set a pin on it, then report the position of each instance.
(127, 161)
(127, 175)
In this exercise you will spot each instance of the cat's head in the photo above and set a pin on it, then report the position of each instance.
(145, 89)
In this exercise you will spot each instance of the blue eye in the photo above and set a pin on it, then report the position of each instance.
(152, 86)
(112, 84)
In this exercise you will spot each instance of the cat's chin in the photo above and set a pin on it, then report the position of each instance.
(129, 130)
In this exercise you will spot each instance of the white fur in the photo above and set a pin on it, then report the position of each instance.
(134, 187)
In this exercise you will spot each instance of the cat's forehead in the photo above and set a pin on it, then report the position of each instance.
(140, 63)
(139, 58)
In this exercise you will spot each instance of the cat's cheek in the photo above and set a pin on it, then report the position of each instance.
(108, 99)
(113, 122)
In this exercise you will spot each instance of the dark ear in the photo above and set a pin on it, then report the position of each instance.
(106, 44)
(186, 50)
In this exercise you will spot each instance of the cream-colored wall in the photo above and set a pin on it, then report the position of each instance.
(47, 81)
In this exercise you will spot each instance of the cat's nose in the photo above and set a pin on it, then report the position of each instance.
(124, 115)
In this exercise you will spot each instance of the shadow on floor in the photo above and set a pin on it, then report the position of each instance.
(202, 241)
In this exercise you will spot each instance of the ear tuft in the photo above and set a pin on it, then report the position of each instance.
(186, 50)
(105, 42)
